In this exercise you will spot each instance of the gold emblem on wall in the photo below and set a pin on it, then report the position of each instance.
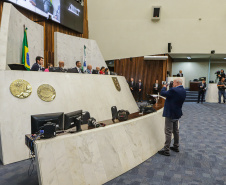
(46, 92)
(116, 82)
(20, 89)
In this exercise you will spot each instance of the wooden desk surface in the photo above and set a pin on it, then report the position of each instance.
(157, 106)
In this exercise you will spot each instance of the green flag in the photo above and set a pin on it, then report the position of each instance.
(25, 52)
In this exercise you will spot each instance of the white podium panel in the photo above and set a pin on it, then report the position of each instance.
(99, 155)
(212, 93)
(93, 93)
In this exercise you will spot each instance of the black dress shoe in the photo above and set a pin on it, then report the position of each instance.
(174, 149)
(163, 152)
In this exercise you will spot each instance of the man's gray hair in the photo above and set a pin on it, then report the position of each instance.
(179, 80)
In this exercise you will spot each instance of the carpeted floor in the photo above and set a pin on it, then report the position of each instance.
(202, 157)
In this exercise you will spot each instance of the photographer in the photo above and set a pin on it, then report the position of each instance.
(221, 89)
(222, 74)
(172, 112)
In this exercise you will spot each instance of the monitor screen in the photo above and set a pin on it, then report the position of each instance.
(37, 121)
(66, 12)
(72, 119)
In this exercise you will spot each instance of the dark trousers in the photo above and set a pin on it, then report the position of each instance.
(220, 93)
(133, 92)
(171, 126)
(201, 93)
(155, 91)
(139, 94)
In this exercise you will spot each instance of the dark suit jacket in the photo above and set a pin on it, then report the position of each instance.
(76, 70)
(35, 67)
(203, 88)
(141, 87)
(174, 100)
(178, 75)
(157, 88)
(132, 85)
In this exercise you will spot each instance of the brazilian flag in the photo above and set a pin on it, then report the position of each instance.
(25, 50)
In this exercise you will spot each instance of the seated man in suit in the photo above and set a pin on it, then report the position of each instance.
(139, 87)
(38, 65)
(61, 66)
(78, 67)
(132, 86)
(172, 112)
(202, 90)
(156, 87)
(180, 74)
(89, 69)
(98, 69)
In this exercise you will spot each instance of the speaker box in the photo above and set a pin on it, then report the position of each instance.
(169, 47)
(156, 12)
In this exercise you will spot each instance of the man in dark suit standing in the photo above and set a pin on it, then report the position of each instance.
(38, 65)
(156, 87)
(172, 112)
(202, 90)
(132, 86)
(78, 67)
(180, 74)
(139, 87)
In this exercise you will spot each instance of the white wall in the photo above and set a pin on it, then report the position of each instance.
(124, 29)
(11, 37)
(191, 70)
(195, 69)
(70, 49)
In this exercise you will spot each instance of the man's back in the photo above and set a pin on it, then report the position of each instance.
(174, 100)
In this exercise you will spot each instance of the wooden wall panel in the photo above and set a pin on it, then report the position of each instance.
(1, 7)
(169, 65)
(50, 27)
(147, 71)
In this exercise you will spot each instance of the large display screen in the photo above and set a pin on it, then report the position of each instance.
(66, 12)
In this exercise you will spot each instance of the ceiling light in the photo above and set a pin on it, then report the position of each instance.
(224, 58)
(189, 58)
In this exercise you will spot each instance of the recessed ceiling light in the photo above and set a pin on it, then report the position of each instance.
(189, 58)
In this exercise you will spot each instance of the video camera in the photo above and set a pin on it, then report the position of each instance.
(93, 123)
